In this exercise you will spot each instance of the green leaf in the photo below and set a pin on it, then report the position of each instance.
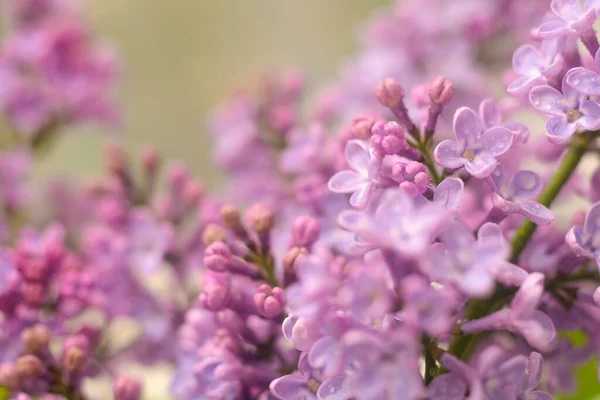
(3, 393)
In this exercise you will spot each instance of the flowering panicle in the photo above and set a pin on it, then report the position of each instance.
(396, 239)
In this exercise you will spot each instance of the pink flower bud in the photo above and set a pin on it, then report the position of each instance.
(217, 256)
(361, 127)
(389, 92)
(126, 388)
(305, 231)
(260, 218)
(269, 301)
(441, 91)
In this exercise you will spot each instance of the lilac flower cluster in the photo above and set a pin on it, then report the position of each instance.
(384, 244)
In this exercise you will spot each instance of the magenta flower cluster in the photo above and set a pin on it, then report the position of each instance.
(392, 238)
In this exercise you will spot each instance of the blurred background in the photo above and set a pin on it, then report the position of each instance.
(179, 58)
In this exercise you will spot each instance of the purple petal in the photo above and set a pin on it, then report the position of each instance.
(448, 154)
(495, 321)
(357, 156)
(477, 282)
(481, 166)
(523, 84)
(512, 370)
(591, 115)
(521, 131)
(360, 198)
(567, 10)
(353, 220)
(346, 182)
(495, 141)
(548, 100)
(538, 330)
(525, 185)
(394, 204)
(446, 387)
(537, 213)
(535, 369)
(527, 60)
(584, 81)
(591, 224)
(589, 4)
(509, 274)
(332, 389)
(555, 29)
(490, 232)
(467, 126)
(291, 387)
(559, 130)
(489, 113)
(574, 239)
(527, 298)
(449, 192)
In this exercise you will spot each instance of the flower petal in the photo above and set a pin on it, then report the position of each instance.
(521, 131)
(528, 297)
(495, 141)
(538, 331)
(467, 126)
(489, 113)
(357, 156)
(559, 130)
(525, 185)
(591, 115)
(481, 166)
(555, 29)
(526, 60)
(346, 182)
(448, 155)
(360, 198)
(567, 10)
(584, 81)
(291, 386)
(537, 213)
(548, 100)
(449, 192)
(523, 84)
(394, 204)
(591, 225)
(574, 239)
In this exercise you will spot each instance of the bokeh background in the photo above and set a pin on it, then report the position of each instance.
(180, 57)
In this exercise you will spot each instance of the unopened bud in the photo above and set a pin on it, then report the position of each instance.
(151, 160)
(36, 338)
(291, 256)
(213, 233)
(260, 218)
(389, 92)
(361, 127)
(217, 256)
(192, 192)
(29, 365)
(441, 91)
(74, 359)
(305, 231)
(9, 376)
(115, 158)
(126, 388)
(231, 217)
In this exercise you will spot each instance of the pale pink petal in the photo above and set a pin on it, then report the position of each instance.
(346, 182)
(537, 213)
(548, 100)
(559, 130)
(591, 115)
(567, 10)
(554, 29)
(467, 126)
(489, 113)
(523, 84)
(448, 154)
(585, 81)
(526, 59)
(495, 141)
(357, 156)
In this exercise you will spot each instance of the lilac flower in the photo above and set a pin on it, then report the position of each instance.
(446, 387)
(570, 110)
(383, 366)
(531, 379)
(572, 18)
(522, 317)
(464, 261)
(304, 151)
(149, 241)
(306, 384)
(362, 179)
(536, 66)
(585, 241)
(517, 195)
(396, 224)
(491, 116)
(585, 80)
(474, 148)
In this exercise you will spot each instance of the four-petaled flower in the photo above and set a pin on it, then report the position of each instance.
(362, 179)
(570, 110)
(516, 195)
(585, 240)
(536, 66)
(584, 80)
(396, 224)
(474, 148)
(572, 18)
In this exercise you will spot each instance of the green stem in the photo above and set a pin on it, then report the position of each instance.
(563, 173)
(464, 345)
(431, 369)
(424, 148)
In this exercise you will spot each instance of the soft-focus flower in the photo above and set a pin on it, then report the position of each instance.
(585, 241)
(536, 66)
(570, 110)
(572, 18)
(491, 116)
(474, 148)
(518, 195)
(584, 80)
(396, 224)
(361, 181)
